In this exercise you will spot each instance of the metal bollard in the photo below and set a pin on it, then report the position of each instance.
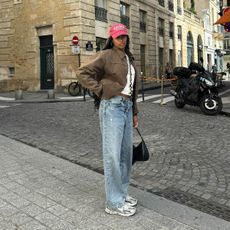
(18, 94)
(162, 91)
(142, 87)
(51, 94)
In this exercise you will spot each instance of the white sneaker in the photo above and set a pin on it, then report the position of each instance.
(131, 201)
(125, 210)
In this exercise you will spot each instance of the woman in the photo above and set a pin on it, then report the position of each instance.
(168, 70)
(113, 78)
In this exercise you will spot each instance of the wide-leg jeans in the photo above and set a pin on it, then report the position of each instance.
(116, 123)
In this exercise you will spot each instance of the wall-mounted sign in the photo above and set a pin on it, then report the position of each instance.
(75, 40)
(89, 46)
(76, 49)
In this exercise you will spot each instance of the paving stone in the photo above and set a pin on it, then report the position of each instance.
(58, 209)
(63, 225)
(73, 217)
(34, 225)
(20, 189)
(3, 190)
(8, 210)
(4, 225)
(47, 219)
(2, 203)
(19, 219)
(33, 210)
(19, 202)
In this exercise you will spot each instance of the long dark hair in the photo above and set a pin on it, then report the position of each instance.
(109, 45)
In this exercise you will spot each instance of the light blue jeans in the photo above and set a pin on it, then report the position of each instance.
(116, 123)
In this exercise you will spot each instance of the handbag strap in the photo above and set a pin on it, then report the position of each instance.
(139, 134)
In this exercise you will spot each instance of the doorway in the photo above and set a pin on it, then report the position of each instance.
(46, 62)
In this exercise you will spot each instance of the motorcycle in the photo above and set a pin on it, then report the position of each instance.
(218, 77)
(196, 87)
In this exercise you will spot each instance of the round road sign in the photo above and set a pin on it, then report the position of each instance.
(75, 40)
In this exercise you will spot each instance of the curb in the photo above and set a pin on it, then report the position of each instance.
(73, 99)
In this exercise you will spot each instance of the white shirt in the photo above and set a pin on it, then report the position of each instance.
(131, 70)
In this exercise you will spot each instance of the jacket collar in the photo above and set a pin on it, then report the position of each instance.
(120, 53)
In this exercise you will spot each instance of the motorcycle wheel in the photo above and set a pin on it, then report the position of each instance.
(211, 105)
(179, 102)
(74, 89)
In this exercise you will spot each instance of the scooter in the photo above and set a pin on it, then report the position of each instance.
(196, 87)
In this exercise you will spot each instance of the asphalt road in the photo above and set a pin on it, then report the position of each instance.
(190, 152)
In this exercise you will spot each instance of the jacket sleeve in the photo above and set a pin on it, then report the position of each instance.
(89, 75)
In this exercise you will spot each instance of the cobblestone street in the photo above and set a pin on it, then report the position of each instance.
(190, 152)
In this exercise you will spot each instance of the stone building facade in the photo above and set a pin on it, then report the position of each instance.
(213, 48)
(36, 50)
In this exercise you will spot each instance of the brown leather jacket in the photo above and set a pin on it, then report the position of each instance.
(106, 75)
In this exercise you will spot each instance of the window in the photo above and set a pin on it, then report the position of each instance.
(161, 27)
(142, 21)
(179, 9)
(11, 71)
(190, 56)
(199, 48)
(124, 13)
(227, 44)
(171, 30)
(171, 57)
(161, 61)
(100, 43)
(100, 10)
(161, 2)
(207, 22)
(171, 5)
(179, 33)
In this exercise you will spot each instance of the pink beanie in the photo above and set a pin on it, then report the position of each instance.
(118, 30)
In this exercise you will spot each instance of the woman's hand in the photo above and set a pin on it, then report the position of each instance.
(135, 121)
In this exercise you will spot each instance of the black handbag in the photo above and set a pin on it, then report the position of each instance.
(140, 152)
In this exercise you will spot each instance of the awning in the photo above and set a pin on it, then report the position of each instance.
(224, 19)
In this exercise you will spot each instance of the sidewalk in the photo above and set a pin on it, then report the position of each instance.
(40, 97)
(41, 191)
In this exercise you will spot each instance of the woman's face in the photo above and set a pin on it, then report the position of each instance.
(120, 42)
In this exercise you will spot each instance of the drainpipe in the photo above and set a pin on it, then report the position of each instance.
(157, 51)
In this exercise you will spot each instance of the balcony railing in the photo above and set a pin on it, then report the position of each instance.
(125, 20)
(162, 2)
(100, 14)
(143, 27)
(171, 5)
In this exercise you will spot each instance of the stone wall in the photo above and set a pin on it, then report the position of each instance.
(6, 31)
